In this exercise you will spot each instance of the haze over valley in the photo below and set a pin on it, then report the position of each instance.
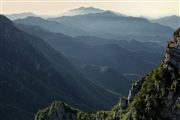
(88, 58)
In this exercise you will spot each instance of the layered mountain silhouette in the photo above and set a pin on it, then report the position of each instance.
(69, 46)
(51, 25)
(20, 15)
(110, 25)
(132, 45)
(171, 21)
(115, 56)
(82, 11)
(87, 59)
(154, 97)
(33, 74)
(109, 55)
(106, 24)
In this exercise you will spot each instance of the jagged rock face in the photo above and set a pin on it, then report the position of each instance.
(173, 51)
(123, 103)
(134, 90)
(172, 63)
(157, 95)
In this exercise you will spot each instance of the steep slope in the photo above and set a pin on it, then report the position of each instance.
(72, 49)
(171, 21)
(31, 70)
(154, 97)
(81, 54)
(158, 92)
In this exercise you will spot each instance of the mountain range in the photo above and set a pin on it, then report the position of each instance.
(19, 15)
(117, 26)
(116, 56)
(82, 11)
(110, 25)
(33, 74)
(171, 21)
(153, 97)
(51, 25)
(87, 59)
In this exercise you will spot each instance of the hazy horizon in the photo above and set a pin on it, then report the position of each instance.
(148, 9)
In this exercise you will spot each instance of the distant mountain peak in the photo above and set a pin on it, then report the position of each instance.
(171, 21)
(83, 11)
(20, 15)
(87, 8)
(34, 18)
(114, 13)
(109, 13)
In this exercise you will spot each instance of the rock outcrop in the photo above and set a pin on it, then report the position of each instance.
(134, 90)
(156, 96)
(173, 51)
(57, 111)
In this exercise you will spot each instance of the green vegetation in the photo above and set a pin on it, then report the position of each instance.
(62, 111)
(151, 101)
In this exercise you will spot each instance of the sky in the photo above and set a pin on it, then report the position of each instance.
(146, 8)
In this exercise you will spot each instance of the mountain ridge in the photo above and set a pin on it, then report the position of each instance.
(31, 70)
(154, 97)
(20, 15)
(171, 21)
(82, 11)
(118, 26)
(52, 26)
(71, 47)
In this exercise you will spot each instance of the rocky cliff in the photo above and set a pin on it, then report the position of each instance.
(154, 97)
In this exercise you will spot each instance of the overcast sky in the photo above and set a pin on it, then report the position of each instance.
(147, 8)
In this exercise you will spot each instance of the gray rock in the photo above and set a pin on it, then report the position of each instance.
(123, 103)
(134, 90)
